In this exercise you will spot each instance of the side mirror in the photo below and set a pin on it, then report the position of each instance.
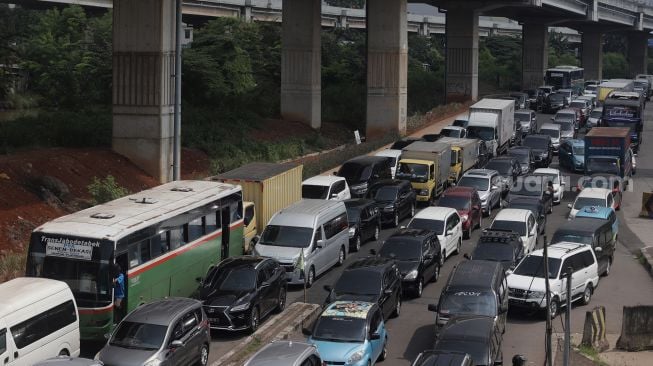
(508, 272)
(598, 249)
(569, 205)
(335, 173)
(328, 288)
(176, 344)
(319, 244)
(402, 227)
(334, 195)
(388, 292)
(306, 332)
(494, 188)
(433, 308)
(256, 239)
(449, 232)
(107, 336)
(375, 336)
(264, 284)
(428, 256)
(467, 256)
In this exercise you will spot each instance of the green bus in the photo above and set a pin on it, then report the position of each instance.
(164, 239)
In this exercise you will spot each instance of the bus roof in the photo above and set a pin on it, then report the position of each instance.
(115, 219)
(23, 291)
(564, 68)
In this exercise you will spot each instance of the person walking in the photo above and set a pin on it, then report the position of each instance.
(118, 292)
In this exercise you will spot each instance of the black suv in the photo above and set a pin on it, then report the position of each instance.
(371, 279)
(395, 199)
(535, 206)
(533, 186)
(400, 144)
(542, 149)
(443, 358)
(364, 221)
(477, 335)
(240, 291)
(417, 252)
(503, 246)
(363, 171)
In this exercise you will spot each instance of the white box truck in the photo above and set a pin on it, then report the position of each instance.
(493, 121)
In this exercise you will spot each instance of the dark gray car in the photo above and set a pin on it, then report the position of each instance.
(173, 331)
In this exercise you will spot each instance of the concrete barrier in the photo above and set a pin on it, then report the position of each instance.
(647, 205)
(292, 319)
(594, 330)
(636, 328)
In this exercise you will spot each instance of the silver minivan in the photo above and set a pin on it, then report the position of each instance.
(307, 238)
(553, 130)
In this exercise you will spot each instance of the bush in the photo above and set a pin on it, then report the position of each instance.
(12, 265)
(105, 190)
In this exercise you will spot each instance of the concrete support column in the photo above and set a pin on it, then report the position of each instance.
(301, 61)
(387, 67)
(462, 55)
(637, 53)
(535, 54)
(592, 56)
(143, 83)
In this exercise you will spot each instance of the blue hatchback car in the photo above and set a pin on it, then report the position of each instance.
(572, 154)
(604, 213)
(350, 333)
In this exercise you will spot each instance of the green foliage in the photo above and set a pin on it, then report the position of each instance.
(105, 190)
(426, 66)
(12, 265)
(560, 51)
(614, 65)
(500, 62)
(356, 4)
(615, 42)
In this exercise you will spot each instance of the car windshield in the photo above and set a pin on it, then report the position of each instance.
(383, 193)
(521, 155)
(139, 335)
(450, 132)
(460, 123)
(234, 279)
(478, 350)
(355, 172)
(287, 236)
(577, 104)
(533, 266)
(600, 182)
(353, 213)
(533, 207)
(496, 252)
(480, 183)
(523, 117)
(436, 226)
(550, 132)
(529, 186)
(359, 282)
(571, 237)
(501, 166)
(589, 201)
(469, 303)
(579, 150)
(340, 329)
(596, 114)
(457, 202)
(556, 97)
(516, 226)
(565, 125)
(536, 143)
(403, 250)
(600, 165)
(413, 172)
(313, 191)
(483, 133)
(553, 177)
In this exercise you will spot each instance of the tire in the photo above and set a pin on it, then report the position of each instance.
(608, 268)
(377, 233)
(436, 273)
(254, 319)
(204, 356)
(281, 300)
(554, 306)
(432, 200)
(64, 352)
(384, 351)
(443, 257)
(395, 220)
(357, 243)
(311, 277)
(489, 210)
(587, 295)
(341, 257)
(468, 233)
(420, 288)
(397, 310)
(459, 246)
(412, 210)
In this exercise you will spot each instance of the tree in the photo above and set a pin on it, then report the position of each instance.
(425, 73)
(356, 4)
(614, 65)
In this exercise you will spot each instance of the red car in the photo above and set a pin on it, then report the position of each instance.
(466, 201)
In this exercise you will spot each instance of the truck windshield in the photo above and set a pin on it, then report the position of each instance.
(483, 133)
(313, 191)
(413, 172)
(602, 165)
(287, 236)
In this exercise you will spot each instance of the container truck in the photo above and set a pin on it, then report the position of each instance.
(607, 151)
(611, 85)
(426, 165)
(464, 156)
(267, 188)
(493, 121)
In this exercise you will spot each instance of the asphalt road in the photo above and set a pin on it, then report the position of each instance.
(413, 331)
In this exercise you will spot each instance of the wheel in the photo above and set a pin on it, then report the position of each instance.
(443, 257)
(553, 306)
(432, 199)
(384, 352)
(436, 273)
(412, 209)
(489, 210)
(480, 221)
(468, 233)
(395, 220)
(357, 243)
(281, 300)
(377, 233)
(64, 352)
(341, 257)
(311, 277)
(459, 245)
(419, 288)
(254, 319)
(608, 267)
(397, 309)
(204, 356)
(587, 295)
(550, 208)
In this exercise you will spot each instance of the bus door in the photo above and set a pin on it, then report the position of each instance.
(226, 220)
(123, 261)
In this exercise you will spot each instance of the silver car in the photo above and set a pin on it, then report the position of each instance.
(69, 361)
(488, 184)
(594, 118)
(170, 332)
(286, 353)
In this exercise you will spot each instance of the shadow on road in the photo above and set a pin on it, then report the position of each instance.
(422, 339)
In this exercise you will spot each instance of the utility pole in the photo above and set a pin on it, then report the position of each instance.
(549, 329)
(176, 151)
(568, 318)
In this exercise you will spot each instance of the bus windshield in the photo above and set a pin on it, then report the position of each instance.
(82, 263)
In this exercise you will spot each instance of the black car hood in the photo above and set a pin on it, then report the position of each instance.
(356, 297)
(407, 266)
(223, 298)
(384, 203)
(538, 151)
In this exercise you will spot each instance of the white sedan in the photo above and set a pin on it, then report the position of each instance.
(520, 221)
(446, 222)
(558, 183)
(600, 197)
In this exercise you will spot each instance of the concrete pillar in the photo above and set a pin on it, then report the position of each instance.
(535, 54)
(462, 55)
(637, 53)
(387, 67)
(301, 61)
(592, 56)
(143, 83)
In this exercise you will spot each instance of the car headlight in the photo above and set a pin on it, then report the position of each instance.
(356, 356)
(153, 362)
(411, 275)
(389, 208)
(424, 192)
(535, 294)
(352, 231)
(240, 307)
(464, 217)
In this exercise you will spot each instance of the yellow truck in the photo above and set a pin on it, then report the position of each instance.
(426, 165)
(267, 188)
(464, 156)
(612, 85)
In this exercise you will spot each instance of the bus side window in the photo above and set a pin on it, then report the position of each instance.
(195, 229)
(176, 238)
(159, 244)
(210, 223)
(145, 250)
(235, 209)
(134, 255)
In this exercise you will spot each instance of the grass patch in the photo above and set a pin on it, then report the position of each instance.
(417, 121)
(12, 265)
(592, 354)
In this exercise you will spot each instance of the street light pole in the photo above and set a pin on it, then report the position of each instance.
(176, 151)
(568, 319)
(549, 330)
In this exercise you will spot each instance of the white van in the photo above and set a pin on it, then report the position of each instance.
(38, 320)
(307, 238)
(326, 187)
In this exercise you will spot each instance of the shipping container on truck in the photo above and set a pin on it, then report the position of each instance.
(464, 155)
(607, 150)
(436, 157)
(613, 84)
(493, 121)
(270, 186)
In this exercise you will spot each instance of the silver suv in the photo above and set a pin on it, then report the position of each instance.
(286, 353)
(488, 184)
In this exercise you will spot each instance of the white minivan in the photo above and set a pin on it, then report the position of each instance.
(307, 238)
(38, 320)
